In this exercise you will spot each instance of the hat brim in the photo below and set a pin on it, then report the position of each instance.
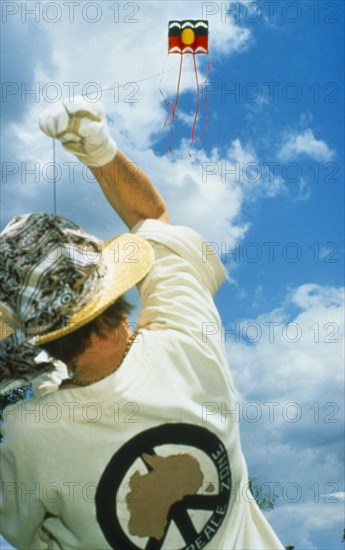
(128, 259)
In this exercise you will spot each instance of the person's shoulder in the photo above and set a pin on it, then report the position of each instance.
(172, 242)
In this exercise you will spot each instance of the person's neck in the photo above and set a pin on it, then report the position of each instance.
(103, 355)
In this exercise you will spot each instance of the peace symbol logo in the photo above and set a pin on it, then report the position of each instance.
(177, 490)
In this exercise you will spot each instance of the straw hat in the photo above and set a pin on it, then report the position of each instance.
(55, 278)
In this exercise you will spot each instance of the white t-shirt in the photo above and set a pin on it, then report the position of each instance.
(147, 457)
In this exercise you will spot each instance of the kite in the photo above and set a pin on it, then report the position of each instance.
(187, 37)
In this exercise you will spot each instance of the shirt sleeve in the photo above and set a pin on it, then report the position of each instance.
(178, 292)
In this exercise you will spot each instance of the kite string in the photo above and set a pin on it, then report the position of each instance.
(172, 104)
(204, 97)
(166, 102)
(109, 88)
(54, 176)
(175, 103)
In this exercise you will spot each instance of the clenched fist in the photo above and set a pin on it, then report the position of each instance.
(82, 129)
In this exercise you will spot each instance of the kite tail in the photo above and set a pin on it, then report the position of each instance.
(198, 103)
(172, 104)
(204, 97)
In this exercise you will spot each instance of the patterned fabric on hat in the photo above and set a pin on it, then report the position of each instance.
(49, 269)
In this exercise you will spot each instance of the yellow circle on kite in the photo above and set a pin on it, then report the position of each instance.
(187, 36)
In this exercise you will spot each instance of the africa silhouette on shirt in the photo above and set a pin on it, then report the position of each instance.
(170, 480)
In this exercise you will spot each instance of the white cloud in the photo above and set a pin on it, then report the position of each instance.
(255, 178)
(340, 495)
(226, 36)
(293, 356)
(311, 518)
(310, 296)
(305, 144)
(290, 379)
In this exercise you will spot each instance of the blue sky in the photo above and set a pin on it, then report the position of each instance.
(265, 186)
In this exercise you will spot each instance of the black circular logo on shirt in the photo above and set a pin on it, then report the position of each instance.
(169, 490)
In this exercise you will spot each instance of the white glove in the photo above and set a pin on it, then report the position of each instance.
(82, 129)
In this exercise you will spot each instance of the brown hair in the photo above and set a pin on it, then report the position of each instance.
(69, 347)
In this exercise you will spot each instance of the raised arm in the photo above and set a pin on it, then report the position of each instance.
(82, 129)
(130, 191)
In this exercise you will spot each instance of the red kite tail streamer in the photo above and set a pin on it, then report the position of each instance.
(173, 109)
(204, 97)
(172, 104)
(198, 102)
